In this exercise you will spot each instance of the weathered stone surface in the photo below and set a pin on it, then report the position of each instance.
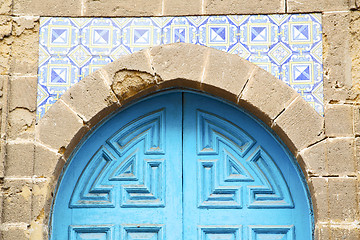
(123, 8)
(23, 93)
(15, 233)
(17, 201)
(322, 232)
(59, 126)
(266, 95)
(21, 124)
(337, 56)
(357, 121)
(40, 200)
(244, 7)
(25, 49)
(5, 7)
(182, 7)
(179, 61)
(227, 72)
(340, 153)
(343, 199)
(300, 6)
(357, 154)
(5, 48)
(355, 55)
(19, 159)
(47, 8)
(299, 125)
(339, 120)
(45, 161)
(314, 159)
(91, 97)
(344, 231)
(25, 22)
(319, 192)
(129, 83)
(5, 26)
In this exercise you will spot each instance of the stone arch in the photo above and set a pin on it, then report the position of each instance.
(175, 66)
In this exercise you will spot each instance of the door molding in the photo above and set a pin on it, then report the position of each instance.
(182, 66)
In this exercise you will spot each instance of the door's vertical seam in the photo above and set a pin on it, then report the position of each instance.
(182, 162)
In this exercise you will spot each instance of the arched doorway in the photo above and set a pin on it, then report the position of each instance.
(180, 165)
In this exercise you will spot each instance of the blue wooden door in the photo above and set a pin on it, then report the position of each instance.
(181, 166)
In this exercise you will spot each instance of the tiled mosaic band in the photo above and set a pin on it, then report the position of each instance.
(288, 46)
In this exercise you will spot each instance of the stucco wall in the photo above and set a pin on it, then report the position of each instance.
(333, 170)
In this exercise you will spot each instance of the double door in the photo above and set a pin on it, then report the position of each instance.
(181, 166)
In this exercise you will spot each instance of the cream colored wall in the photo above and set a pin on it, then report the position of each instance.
(333, 162)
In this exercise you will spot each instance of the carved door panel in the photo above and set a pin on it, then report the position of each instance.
(181, 166)
(237, 178)
(125, 180)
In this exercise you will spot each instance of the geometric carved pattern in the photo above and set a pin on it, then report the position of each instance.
(121, 164)
(212, 129)
(143, 232)
(228, 232)
(272, 232)
(102, 232)
(217, 179)
(223, 175)
(273, 193)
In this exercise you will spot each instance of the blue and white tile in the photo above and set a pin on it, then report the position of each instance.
(141, 33)
(289, 46)
(58, 35)
(100, 36)
(218, 32)
(179, 29)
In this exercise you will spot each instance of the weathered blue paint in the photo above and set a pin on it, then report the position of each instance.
(181, 166)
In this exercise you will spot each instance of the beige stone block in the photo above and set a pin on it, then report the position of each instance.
(5, 26)
(123, 8)
(344, 231)
(25, 51)
(337, 56)
(5, 7)
(182, 7)
(46, 161)
(319, 194)
(59, 126)
(339, 120)
(15, 233)
(266, 95)
(357, 121)
(47, 8)
(357, 154)
(322, 232)
(19, 159)
(299, 125)
(21, 124)
(17, 201)
(341, 156)
(5, 48)
(25, 22)
(179, 61)
(227, 72)
(138, 61)
(91, 98)
(41, 201)
(343, 199)
(299, 6)
(23, 91)
(314, 159)
(243, 6)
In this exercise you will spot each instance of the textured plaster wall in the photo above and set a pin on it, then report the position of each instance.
(333, 171)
